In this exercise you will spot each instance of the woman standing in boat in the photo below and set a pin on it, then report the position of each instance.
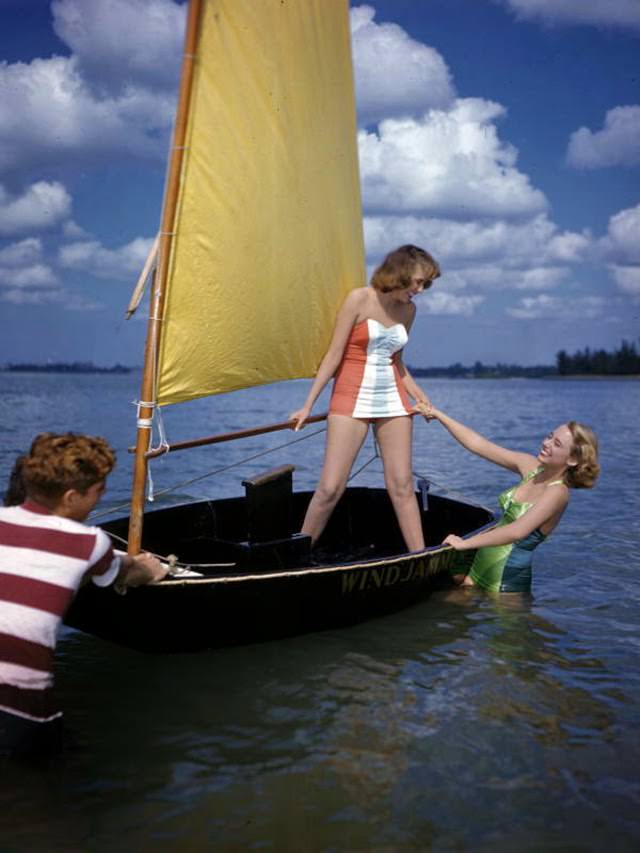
(372, 385)
(568, 459)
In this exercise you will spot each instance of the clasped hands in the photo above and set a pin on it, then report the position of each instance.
(425, 409)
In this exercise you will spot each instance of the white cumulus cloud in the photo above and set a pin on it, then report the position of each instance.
(119, 42)
(24, 275)
(621, 249)
(24, 252)
(68, 301)
(26, 278)
(32, 276)
(619, 13)
(442, 302)
(17, 296)
(448, 162)
(90, 256)
(622, 243)
(541, 278)
(48, 113)
(43, 205)
(478, 258)
(73, 231)
(627, 279)
(537, 243)
(617, 144)
(546, 307)
(394, 74)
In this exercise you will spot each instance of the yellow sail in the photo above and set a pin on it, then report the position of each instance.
(268, 232)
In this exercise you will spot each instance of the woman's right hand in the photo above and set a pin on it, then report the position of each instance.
(456, 542)
(299, 417)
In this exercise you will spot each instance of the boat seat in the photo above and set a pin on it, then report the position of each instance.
(269, 502)
(270, 544)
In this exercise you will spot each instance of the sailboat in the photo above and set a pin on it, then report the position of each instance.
(260, 241)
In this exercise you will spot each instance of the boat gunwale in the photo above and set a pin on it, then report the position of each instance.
(316, 570)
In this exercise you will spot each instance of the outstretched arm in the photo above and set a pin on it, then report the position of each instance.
(547, 508)
(521, 463)
(345, 320)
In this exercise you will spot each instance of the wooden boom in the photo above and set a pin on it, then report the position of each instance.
(226, 436)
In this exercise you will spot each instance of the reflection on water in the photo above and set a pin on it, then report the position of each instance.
(466, 723)
(384, 735)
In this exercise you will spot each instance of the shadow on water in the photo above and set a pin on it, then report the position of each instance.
(388, 735)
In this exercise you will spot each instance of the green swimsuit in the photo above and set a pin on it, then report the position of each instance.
(507, 568)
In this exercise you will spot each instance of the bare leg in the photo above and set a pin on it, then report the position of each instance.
(345, 436)
(394, 437)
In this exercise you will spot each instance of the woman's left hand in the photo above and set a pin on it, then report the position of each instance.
(456, 542)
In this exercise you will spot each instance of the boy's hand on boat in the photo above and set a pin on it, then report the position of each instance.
(298, 418)
(146, 568)
(456, 542)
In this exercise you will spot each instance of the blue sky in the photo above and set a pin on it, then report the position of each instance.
(502, 135)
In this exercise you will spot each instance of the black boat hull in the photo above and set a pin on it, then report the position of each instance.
(232, 604)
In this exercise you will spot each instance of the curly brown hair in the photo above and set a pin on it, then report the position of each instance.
(395, 272)
(584, 450)
(56, 463)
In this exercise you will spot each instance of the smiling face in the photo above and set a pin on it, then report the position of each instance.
(417, 284)
(557, 448)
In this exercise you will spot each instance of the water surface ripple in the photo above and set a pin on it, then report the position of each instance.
(464, 723)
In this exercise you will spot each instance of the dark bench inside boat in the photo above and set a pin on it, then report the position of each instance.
(256, 532)
(270, 543)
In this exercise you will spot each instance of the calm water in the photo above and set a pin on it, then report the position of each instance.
(465, 723)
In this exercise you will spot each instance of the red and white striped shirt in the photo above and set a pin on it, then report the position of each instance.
(43, 560)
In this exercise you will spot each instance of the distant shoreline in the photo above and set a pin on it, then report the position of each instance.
(453, 372)
(64, 367)
(516, 373)
(623, 376)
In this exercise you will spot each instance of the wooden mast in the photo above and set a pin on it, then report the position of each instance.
(156, 308)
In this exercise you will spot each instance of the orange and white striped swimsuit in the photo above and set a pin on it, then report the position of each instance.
(367, 383)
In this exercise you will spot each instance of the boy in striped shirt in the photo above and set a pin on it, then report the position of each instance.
(46, 553)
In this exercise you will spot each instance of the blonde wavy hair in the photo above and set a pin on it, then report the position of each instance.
(584, 473)
(395, 272)
(56, 463)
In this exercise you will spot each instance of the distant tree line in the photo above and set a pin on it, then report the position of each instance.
(65, 367)
(485, 371)
(621, 362)
(624, 361)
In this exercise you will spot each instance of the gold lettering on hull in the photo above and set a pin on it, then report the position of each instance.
(364, 580)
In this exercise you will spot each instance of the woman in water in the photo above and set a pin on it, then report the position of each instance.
(568, 459)
(372, 386)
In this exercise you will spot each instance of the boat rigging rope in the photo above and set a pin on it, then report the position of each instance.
(445, 489)
(180, 569)
(181, 485)
(162, 442)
